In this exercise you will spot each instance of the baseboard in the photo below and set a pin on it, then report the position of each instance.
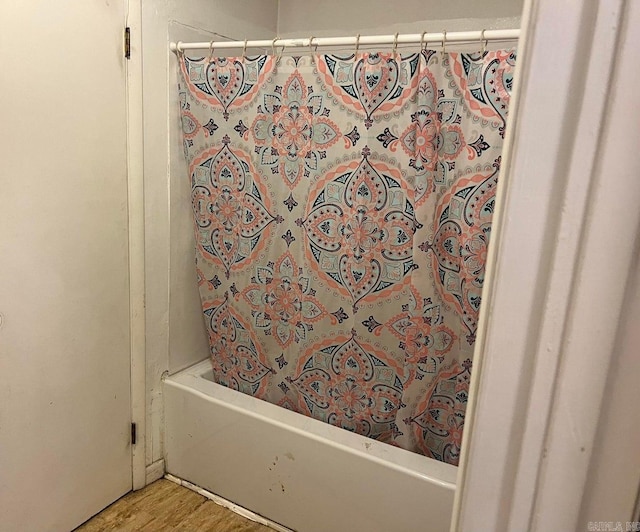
(248, 514)
(155, 471)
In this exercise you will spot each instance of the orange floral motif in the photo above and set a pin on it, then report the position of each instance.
(423, 336)
(227, 210)
(283, 301)
(420, 140)
(292, 131)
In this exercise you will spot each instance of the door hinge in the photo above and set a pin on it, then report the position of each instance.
(127, 43)
(133, 433)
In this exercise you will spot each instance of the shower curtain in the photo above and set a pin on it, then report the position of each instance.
(342, 208)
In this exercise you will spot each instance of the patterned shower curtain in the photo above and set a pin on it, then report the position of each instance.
(342, 208)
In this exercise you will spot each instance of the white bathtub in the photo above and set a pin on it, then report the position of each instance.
(297, 471)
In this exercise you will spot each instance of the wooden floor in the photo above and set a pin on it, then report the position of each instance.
(164, 505)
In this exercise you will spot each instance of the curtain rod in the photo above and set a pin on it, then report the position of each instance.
(407, 38)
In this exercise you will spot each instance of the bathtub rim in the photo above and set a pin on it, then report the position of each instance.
(196, 379)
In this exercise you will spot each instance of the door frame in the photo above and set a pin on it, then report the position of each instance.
(135, 171)
(565, 240)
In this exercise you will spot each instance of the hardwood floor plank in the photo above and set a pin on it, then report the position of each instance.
(152, 493)
(213, 517)
(166, 506)
(176, 507)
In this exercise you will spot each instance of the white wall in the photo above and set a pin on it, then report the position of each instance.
(174, 326)
(326, 18)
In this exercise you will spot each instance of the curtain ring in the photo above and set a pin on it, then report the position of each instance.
(211, 51)
(244, 50)
(311, 52)
(273, 46)
(395, 44)
(179, 50)
(423, 45)
(444, 42)
(484, 43)
(355, 53)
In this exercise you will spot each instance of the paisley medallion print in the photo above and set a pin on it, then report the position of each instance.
(348, 383)
(359, 229)
(226, 83)
(439, 420)
(485, 81)
(423, 336)
(373, 84)
(460, 242)
(238, 362)
(231, 210)
(292, 130)
(283, 301)
(342, 209)
(190, 125)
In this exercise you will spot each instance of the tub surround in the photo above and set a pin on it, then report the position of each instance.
(290, 468)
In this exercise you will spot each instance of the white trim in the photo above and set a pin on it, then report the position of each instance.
(155, 471)
(235, 508)
(490, 277)
(135, 169)
(562, 248)
(607, 254)
(612, 486)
